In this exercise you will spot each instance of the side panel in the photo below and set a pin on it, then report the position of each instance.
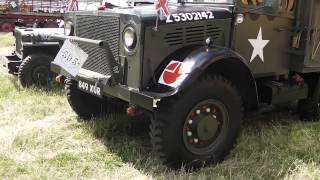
(159, 45)
(263, 39)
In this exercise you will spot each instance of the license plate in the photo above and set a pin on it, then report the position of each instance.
(90, 88)
(71, 57)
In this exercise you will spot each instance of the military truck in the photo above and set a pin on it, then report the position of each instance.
(196, 72)
(34, 51)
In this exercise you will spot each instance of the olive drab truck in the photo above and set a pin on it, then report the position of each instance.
(195, 67)
(30, 61)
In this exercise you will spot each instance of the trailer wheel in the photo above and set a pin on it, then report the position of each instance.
(199, 126)
(6, 27)
(309, 110)
(87, 106)
(35, 70)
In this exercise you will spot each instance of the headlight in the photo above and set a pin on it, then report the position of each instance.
(68, 28)
(130, 38)
(239, 18)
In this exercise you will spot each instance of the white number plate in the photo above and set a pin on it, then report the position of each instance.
(90, 88)
(71, 57)
(192, 16)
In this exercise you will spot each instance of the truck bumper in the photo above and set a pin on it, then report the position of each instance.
(146, 100)
(12, 63)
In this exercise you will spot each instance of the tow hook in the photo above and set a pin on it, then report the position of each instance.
(298, 80)
(132, 110)
(60, 79)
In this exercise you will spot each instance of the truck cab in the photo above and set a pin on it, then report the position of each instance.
(195, 67)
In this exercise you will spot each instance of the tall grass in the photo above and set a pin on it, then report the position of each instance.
(6, 39)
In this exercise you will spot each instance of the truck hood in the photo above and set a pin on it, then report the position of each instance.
(39, 31)
(37, 34)
(148, 13)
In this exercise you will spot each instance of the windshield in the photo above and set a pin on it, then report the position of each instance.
(205, 1)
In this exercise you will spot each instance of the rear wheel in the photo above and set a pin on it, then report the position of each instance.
(200, 125)
(87, 106)
(309, 110)
(35, 70)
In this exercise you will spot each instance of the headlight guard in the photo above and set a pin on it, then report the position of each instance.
(68, 28)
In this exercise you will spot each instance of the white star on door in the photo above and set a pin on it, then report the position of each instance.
(258, 46)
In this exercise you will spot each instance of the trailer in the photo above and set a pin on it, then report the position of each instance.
(31, 13)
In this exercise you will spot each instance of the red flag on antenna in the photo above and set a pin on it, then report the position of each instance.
(162, 6)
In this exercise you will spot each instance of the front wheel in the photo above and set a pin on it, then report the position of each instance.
(200, 125)
(87, 106)
(35, 70)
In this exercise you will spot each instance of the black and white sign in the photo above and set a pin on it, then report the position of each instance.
(90, 88)
(192, 16)
(71, 58)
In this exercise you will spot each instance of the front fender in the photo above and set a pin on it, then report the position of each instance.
(223, 61)
(201, 59)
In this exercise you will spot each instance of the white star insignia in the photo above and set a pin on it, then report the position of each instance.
(258, 45)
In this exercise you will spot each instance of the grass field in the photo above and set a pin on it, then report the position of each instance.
(6, 39)
(41, 138)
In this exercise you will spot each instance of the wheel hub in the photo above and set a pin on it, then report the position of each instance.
(41, 75)
(204, 126)
(207, 127)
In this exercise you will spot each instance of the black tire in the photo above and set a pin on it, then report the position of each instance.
(35, 70)
(167, 130)
(87, 106)
(309, 110)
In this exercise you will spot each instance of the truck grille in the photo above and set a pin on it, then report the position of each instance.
(105, 28)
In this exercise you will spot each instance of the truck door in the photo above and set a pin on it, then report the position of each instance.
(265, 35)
